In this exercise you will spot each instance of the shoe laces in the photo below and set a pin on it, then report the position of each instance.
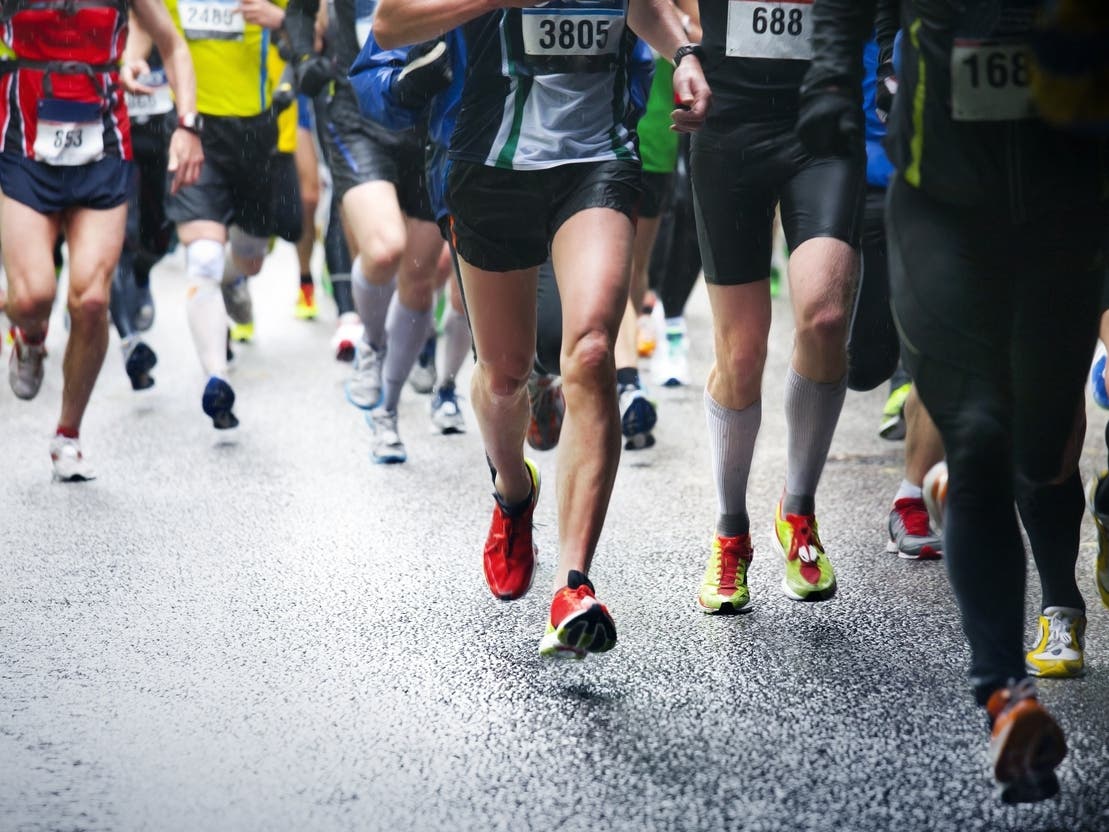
(914, 516)
(1058, 633)
(805, 544)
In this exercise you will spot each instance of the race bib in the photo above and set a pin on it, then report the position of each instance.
(211, 19)
(990, 81)
(157, 103)
(68, 133)
(572, 32)
(364, 19)
(762, 29)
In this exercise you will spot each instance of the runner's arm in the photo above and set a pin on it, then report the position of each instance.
(659, 23)
(185, 152)
(404, 22)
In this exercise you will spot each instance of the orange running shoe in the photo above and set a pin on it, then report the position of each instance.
(1026, 744)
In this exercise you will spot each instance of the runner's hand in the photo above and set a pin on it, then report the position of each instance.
(427, 72)
(314, 73)
(262, 13)
(186, 155)
(129, 74)
(830, 122)
(692, 94)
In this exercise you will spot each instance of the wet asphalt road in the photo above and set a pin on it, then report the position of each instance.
(263, 630)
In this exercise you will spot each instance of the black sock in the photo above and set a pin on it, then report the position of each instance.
(306, 280)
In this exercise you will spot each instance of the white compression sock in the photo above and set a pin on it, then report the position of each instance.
(732, 435)
(812, 412)
(407, 334)
(204, 261)
(456, 344)
(372, 303)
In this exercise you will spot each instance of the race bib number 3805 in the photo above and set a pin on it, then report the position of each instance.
(762, 29)
(990, 81)
(572, 32)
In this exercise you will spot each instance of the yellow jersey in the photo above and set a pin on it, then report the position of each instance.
(230, 56)
(287, 118)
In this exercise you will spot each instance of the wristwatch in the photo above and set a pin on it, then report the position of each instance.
(689, 49)
(193, 122)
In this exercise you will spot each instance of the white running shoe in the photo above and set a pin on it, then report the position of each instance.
(364, 389)
(25, 366)
(670, 367)
(387, 448)
(70, 464)
(446, 416)
(347, 335)
(422, 376)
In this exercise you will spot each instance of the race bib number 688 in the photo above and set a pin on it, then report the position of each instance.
(770, 29)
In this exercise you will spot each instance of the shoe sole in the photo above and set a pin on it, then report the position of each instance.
(640, 442)
(640, 418)
(375, 405)
(139, 365)
(726, 608)
(1029, 777)
(389, 459)
(893, 549)
(585, 632)
(219, 411)
(73, 477)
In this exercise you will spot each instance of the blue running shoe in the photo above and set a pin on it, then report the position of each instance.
(1097, 384)
(637, 418)
(217, 402)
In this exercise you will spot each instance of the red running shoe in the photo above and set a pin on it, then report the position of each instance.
(579, 623)
(510, 553)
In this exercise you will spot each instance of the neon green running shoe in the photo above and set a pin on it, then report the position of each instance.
(809, 574)
(893, 414)
(724, 587)
(1101, 521)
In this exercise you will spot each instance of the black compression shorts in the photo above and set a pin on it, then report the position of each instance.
(738, 178)
(504, 220)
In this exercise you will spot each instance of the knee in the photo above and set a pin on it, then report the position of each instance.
(248, 251)
(29, 306)
(824, 324)
(978, 444)
(204, 260)
(589, 359)
(740, 357)
(507, 376)
(381, 253)
(90, 306)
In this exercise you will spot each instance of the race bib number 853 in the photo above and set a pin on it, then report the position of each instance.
(68, 133)
(767, 29)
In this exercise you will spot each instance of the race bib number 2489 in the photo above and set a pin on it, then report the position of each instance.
(769, 29)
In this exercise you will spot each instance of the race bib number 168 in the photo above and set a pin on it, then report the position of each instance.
(768, 29)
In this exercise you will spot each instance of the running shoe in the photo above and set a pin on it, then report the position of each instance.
(306, 308)
(724, 587)
(348, 333)
(446, 415)
(138, 361)
(775, 280)
(25, 370)
(579, 624)
(911, 535)
(935, 494)
(809, 574)
(70, 464)
(422, 377)
(510, 553)
(364, 388)
(1097, 383)
(242, 333)
(142, 317)
(387, 447)
(1060, 651)
(217, 401)
(237, 302)
(670, 367)
(646, 336)
(548, 407)
(893, 414)
(1101, 522)
(638, 416)
(1026, 744)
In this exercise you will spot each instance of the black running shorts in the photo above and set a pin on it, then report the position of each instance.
(235, 186)
(658, 189)
(503, 220)
(358, 152)
(740, 174)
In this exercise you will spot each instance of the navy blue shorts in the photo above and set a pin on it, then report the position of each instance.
(50, 189)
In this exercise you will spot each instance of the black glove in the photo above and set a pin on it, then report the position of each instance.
(313, 73)
(830, 123)
(427, 72)
(884, 91)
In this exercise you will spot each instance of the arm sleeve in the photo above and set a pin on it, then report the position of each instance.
(372, 76)
(840, 28)
(300, 24)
